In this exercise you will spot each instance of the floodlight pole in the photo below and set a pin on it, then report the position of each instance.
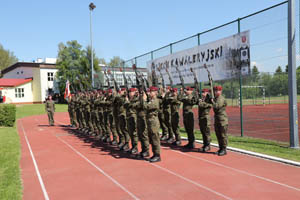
(293, 111)
(92, 7)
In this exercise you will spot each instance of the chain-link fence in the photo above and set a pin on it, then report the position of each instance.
(265, 92)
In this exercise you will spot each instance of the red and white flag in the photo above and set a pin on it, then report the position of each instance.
(67, 94)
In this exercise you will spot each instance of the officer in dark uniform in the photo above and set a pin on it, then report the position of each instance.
(50, 109)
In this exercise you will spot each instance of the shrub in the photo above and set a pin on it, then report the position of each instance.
(7, 114)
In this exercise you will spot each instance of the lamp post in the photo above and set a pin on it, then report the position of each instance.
(92, 7)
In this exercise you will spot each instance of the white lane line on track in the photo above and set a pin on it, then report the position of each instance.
(99, 169)
(157, 166)
(193, 182)
(35, 164)
(238, 170)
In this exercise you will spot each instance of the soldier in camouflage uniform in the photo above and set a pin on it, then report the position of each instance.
(131, 118)
(109, 109)
(106, 108)
(72, 112)
(204, 107)
(161, 117)
(152, 107)
(124, 136)
(142, 127)
(221, 120)
(167, 115)
(87, 110)
(175, 118)
(188, 116)
(81, 110)
(94, 113)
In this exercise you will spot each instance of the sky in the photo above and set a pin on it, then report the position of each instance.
(127, 28)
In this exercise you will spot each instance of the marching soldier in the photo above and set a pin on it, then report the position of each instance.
(188, 116)
(131, 119)
(204, 107)
(175, 105)
(167, 115)
(109, 108)
(161, 117)
(50, 109)
(221, 120)
(124, 136)
(152, 108)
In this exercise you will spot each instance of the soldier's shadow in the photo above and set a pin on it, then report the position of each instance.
(104, 148)
(183, 149)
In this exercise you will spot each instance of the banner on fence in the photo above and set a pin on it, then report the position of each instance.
(225, 59)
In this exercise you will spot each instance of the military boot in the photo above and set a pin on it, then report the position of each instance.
(134, 150)
(155, 158)
(125, 147)
(170, 140)
(189, 146)
(222, 152)
(163, 138)
(205, 148)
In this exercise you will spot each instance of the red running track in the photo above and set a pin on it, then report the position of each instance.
(65, 166)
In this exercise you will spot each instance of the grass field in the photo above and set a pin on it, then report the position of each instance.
(10, 181)
(10, 178)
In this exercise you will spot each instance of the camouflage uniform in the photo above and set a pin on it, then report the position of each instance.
(204, 107)
(124, 136)
(110, 118)
(131, 119)
(161, 118)
(167, 116)
(221, 121)
(175, 105)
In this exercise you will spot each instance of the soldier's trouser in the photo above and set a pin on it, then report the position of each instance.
(71, 116)
(101, 119)
(188, 122)
(167, 117)
(75, 122)
(205, 130)
(117, 125)
(97, 123)
(131, 125)
(123, 129)
(94, 120)
(50, 117)
(221, 133)
(88, 120)
(83, 119)
(112, 126)
(153, 132)
(78, 114)
(162, 124)
(106, 124)
(175, 125)
(142, 133)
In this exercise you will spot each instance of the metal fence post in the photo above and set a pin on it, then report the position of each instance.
(241, 94)
(293, 119)
(200, 85)
(171, 48)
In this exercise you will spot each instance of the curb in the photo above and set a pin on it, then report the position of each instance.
(259, 155)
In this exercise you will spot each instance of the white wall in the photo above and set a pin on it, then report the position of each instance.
(45, 84)
(10, 94)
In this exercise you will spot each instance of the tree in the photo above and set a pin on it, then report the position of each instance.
(73, 64)
(7, 58)
(278, 70)
(255, 73)
(116, 61)
(286, 68)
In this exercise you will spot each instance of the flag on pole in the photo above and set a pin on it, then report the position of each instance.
(67, 94)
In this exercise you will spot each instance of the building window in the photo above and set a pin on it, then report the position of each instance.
(19, 92)
(50, 76)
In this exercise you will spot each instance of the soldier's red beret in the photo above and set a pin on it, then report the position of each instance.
(132, 89)
(109, 90)
(169, 87)
(174, 89)
(123, 89)
(152, 88)
(205, 90)
(189, 88)
(218, 88)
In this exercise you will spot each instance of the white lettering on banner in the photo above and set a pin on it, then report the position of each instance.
(225, 59)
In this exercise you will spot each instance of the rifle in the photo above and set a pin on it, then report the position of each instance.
(140, 82)
(125, 82)
(114, 80)
(181, 79)
(162, 79)
(210, 82)
(196, 83)
(107, 78)
(154, 77)
(170, 78)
